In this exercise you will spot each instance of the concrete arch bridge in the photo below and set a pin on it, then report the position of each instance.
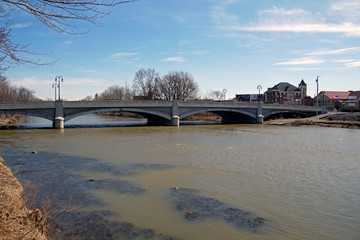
(157, 112)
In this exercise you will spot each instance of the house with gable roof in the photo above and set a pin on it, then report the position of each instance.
(285, 92)
(340, 100)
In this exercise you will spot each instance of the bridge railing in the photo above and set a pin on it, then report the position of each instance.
(26, 105)
(288, 106)
(147, 103)
(116, 103)
(216, 104)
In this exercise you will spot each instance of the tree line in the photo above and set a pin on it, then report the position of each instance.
(10, 92)
(149, 85)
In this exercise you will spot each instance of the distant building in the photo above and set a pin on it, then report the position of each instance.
(147, 97)
(340, 100)
(353, 102)
(285, 92)
(250, 97)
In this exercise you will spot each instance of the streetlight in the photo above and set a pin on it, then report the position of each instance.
(54, 85)
(259, 87)
(317, 95)
(59, 80)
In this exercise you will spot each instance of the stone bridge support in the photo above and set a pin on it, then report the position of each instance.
(58, 122)
(175, 119)
(259, 114)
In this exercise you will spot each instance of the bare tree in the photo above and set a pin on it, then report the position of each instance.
(59, 15)
(113, 93)
(3, 81)
(215, 95)
(144, 81)
(176, 86)
(13, 93)
(88, 98)
(116, 93)
(129, 93)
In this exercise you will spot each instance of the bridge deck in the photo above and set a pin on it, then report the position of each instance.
(161, 112)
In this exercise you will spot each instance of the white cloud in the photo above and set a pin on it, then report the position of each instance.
(301, 61)
(30, 82)
(184, 42)
(346, 5)
(343, 60)
(124, 57)
(35, 81)
(349, 29)
(173, 59)
(220, 16)
(88, 70)
(21, 25)
(83, 81)
(335, 52)
(123, 54)
(353, 64)
(293, 20)
(199, 52)
(280, 16)
(349, 9)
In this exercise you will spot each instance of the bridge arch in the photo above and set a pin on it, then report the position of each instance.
(145, 113)
(270, 114)
(228, 115)
(39, 114)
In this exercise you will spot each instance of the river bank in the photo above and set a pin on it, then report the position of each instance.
(16, 220)
(332, 119)
(6, 119)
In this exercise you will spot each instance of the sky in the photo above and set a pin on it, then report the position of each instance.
(225, 44)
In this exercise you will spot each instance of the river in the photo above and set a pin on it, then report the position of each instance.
(192, 181)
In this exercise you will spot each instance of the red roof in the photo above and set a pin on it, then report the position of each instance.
(336, 95)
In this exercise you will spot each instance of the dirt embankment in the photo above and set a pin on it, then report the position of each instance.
(339, 120)
(16, 220)
(9, 118)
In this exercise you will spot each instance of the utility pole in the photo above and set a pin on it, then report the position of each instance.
(317, 95)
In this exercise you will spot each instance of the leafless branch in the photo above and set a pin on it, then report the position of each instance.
(62, 16)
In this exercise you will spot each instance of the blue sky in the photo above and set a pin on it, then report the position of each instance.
(225, 44)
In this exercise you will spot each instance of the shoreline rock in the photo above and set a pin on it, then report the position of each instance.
(16, 220)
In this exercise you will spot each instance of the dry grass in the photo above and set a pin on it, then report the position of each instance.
(16, 220)
(9, 118)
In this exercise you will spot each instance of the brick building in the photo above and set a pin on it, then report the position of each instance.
(285, 92)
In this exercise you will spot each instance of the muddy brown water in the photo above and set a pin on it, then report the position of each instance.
(192, 182)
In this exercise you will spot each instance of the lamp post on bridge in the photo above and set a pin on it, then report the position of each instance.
(58, 81)
(54, 85)
(317, 95)
(259, 87)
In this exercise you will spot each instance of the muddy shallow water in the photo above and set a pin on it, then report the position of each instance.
(193, 182)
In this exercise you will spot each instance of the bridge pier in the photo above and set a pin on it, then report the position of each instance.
(58, 122)
(175, 119)
(259, 116)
